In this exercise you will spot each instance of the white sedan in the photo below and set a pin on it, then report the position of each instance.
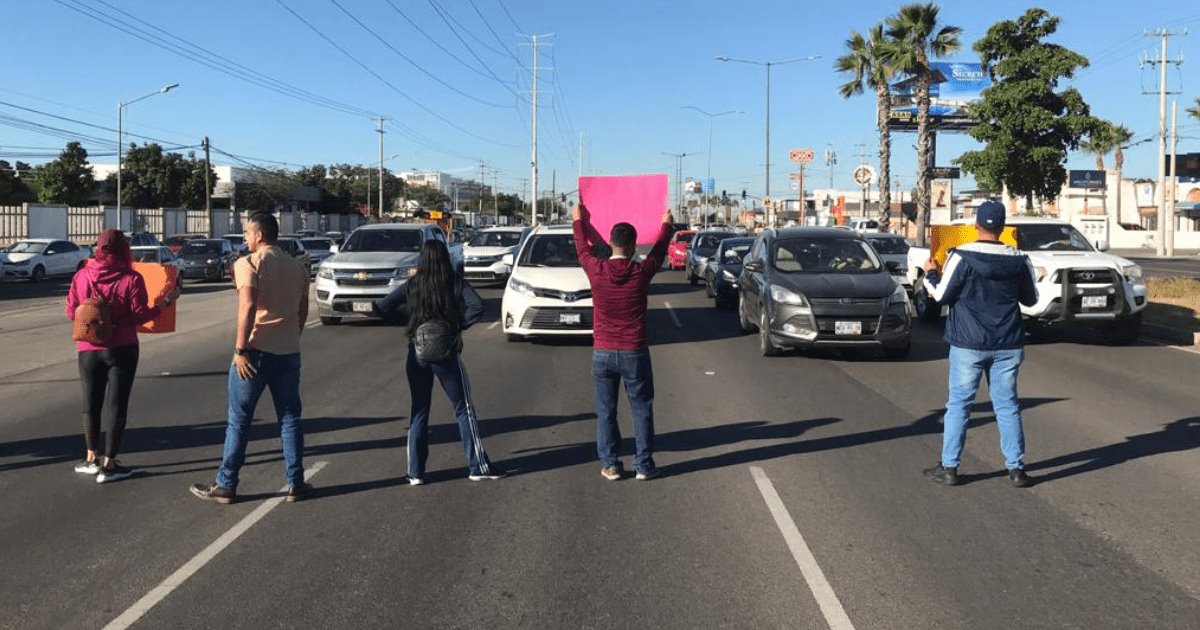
(36, 259)
(548, 292)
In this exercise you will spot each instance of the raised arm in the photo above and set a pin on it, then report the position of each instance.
(659, 251)
(583, 249)
(471, 306)
(945, 287)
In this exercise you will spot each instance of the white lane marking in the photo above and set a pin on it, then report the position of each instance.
(674, 317)
(312, 324)
(493, 325)
(173, 581)
(831, 607)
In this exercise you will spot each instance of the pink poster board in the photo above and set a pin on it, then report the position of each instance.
(637, 199)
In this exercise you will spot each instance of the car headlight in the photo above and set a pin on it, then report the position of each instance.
(1039, 273)
(1132, 273)
(23, 263)
(728, 276)
(325, 273)
(899, 296)
(781, 295)
(702, 259)
(401, 273)
(524, 288)
(210, 261)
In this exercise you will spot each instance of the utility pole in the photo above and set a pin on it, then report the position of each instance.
(1161, 61)
(381, 132)
(581, 154)
(1173, 179)
(533, 161)
(212, 229)
(481, 176)
(830, 161)
(553, 190)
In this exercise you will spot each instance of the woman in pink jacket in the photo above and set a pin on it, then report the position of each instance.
(107, 370)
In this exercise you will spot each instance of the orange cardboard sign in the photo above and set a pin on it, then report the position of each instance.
(159, 279)
(943, 238)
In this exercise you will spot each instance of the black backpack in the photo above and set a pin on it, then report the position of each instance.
(436, 340)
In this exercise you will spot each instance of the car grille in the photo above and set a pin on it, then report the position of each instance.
(369, 282)
(480, 275)
(482, 260)
(826, 325)
(847, 307)
(548, 319)
(565, 296)
(1091, 276)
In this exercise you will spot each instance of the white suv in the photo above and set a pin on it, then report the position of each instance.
(548, 292)
(484, 256)
(1077, 284)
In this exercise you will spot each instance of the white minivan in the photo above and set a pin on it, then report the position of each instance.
(548, 292)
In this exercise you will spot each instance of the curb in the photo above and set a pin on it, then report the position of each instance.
(1175, 336)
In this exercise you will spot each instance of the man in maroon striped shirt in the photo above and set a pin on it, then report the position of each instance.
(620, 351)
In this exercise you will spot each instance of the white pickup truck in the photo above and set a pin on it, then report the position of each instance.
(1077, 284)
(374, 260)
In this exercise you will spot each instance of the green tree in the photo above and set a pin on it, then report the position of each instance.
(1027, 126)
(427, 197)
(866, 63)
(916, 39)
(153, 178)
(15, 186)
(192, 191)
(68, 179)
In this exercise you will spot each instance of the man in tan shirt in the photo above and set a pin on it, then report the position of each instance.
(272, 289)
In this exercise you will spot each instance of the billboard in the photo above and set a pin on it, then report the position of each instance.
(1086, 179)
(955, 86)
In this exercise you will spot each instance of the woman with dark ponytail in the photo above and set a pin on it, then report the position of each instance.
(440, 307)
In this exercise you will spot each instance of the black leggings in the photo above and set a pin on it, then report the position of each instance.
(107, 377)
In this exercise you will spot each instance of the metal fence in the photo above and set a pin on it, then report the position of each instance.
(84, 224)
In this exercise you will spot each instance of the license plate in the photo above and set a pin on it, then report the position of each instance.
(847, 328)
(361, 307)
(570, 318)
(1095, 301)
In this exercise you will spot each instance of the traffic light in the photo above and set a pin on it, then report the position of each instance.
(723, 195)
(743, 194)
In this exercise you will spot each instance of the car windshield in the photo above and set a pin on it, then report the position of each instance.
(201, 248)
(550, 250)
(825, 255)
(27, 247)
(495, 239)
(319, 244)
(145, 255)
(178, 240)
(236, 239)
(706, 244)
(1051, 237)
(383, 241)
(684, 237)
(735, 254)
(889, 245)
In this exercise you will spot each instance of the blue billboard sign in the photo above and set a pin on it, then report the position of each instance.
(954, 87)
(1086, 179)
(708, 186)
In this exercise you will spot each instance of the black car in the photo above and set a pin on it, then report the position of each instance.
(704, 245)
(724, 268)
(821, 287)
(207, 258)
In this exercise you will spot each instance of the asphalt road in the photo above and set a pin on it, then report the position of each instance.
(1181, 266)
(792, 491)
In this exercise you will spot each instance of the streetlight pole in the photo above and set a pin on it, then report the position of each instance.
(679, 177)
(767, 65)
(708, 175)
(121, 138)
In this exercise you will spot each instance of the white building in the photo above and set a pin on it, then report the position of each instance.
(447, 184)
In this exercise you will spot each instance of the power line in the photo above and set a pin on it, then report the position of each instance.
(448, 17)
(383, 80)
(213, 61)
(510, 17)
(414, 64)
(446, 20)
(491, 30)
(85, 124)
(435, 42)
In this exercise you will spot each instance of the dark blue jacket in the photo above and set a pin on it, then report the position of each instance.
(984, 284)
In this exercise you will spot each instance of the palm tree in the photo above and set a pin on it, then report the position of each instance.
(1100, 142)
(1121, 135)
(1194, 112)
(916, 38)
(865, 62)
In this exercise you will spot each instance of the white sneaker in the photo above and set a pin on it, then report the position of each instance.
(116, 473)
(87, 468)
(415, 481)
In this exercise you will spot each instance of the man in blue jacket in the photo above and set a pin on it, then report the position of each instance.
(984, 283)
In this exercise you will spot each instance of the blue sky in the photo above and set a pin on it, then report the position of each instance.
(621, 71)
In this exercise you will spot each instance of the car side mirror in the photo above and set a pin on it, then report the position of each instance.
(49, 252)
(892, 266)
(753, 266)
(507, 259)
(333, 249)
(1102, 245)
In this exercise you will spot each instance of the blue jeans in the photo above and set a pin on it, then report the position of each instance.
(1001, 368)
(453, 376)
(281, 374)
(609, 368)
